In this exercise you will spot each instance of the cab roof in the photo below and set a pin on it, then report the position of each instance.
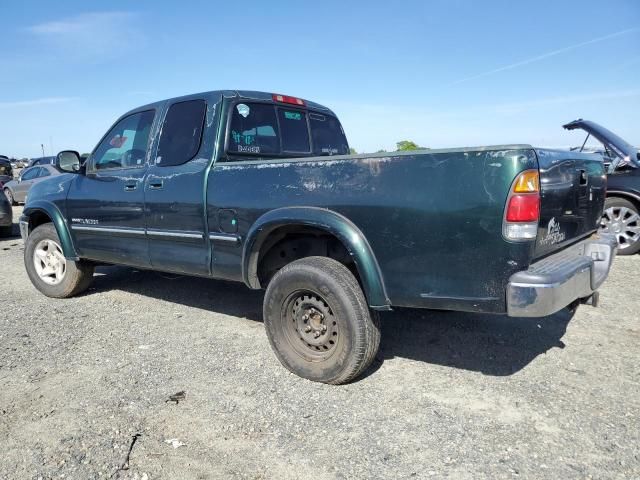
(231, 94)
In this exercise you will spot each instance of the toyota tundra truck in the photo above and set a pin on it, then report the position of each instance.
(260, 189)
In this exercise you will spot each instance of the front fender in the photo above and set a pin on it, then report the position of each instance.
(53, 212)
(332, 222)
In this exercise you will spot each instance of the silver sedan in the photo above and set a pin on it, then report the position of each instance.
(16, 190)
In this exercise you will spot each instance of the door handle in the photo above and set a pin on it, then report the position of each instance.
(130, 187)
(155, 184)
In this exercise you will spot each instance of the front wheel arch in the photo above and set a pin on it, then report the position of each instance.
(43, 212)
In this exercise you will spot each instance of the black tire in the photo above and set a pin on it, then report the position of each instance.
(77, 276)
(341, 335)
(620, 207)
(6, 231)
(9, 196)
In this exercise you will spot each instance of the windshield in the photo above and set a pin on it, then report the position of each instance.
(273, 130)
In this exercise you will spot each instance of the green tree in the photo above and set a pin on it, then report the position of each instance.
(353, 151)
(403, 145)
(382, 150)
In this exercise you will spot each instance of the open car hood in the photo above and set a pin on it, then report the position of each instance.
(613, 142)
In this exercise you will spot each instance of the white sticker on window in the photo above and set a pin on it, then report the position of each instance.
(243, 109)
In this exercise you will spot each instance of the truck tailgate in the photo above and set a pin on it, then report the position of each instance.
(572, 194)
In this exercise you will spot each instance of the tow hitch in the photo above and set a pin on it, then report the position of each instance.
(592, 299)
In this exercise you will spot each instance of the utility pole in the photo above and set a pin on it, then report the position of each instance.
(42, 147)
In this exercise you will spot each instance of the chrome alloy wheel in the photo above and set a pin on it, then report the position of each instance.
(49, 262)
(622, 222)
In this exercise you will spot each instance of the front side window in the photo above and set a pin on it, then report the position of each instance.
(125, 146)
(5, 169)
(44, 172)
(181, 133)
(30, 174)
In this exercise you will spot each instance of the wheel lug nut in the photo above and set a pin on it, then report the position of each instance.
(307, 329)
(305, 317)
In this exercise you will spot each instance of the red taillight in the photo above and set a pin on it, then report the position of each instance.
(287, 99)
(523, 208)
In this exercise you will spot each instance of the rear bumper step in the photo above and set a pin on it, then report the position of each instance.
(574, 274)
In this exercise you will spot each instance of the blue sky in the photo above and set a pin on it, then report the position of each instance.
(442, 73)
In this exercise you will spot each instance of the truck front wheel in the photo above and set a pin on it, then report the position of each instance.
(48, 269)
(318, 321)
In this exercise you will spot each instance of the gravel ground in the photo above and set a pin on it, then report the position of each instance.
(450, 395)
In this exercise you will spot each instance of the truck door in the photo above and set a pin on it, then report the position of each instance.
(105, 207)
(174, 189)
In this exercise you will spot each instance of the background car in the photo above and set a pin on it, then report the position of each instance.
(6, 170)
(16, 190)
(42, 161)
(6, 217)
(622, 207)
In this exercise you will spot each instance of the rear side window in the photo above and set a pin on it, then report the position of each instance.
(328, 136)
(181, 133)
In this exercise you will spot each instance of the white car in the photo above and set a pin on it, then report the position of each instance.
(16, 190)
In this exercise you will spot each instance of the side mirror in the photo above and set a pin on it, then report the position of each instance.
(68, 161)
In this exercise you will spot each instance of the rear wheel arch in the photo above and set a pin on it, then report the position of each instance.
(330, 228)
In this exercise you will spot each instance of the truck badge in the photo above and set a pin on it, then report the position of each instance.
(554, 235)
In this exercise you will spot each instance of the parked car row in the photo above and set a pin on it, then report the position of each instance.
(6, 170)
(6, 217)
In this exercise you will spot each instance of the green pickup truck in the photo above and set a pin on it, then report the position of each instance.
(260, 188)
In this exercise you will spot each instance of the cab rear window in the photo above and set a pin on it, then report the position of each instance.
(273, 130)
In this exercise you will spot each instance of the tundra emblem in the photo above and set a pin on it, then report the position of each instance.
(554, 235)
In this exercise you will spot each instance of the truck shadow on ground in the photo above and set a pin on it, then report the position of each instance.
(495, 345)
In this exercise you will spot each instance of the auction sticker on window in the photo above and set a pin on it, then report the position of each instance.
(293, 115)
(243, 109)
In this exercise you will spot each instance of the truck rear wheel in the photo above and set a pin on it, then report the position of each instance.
(621, 218)
(318, 321)
(48, 269)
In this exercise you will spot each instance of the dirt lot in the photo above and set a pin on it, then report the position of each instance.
(450, 395)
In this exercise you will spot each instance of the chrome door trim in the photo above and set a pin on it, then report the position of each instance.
(225, 237)
(85, 228)
(174, 234)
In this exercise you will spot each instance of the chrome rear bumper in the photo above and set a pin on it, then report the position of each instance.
(572, 274)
